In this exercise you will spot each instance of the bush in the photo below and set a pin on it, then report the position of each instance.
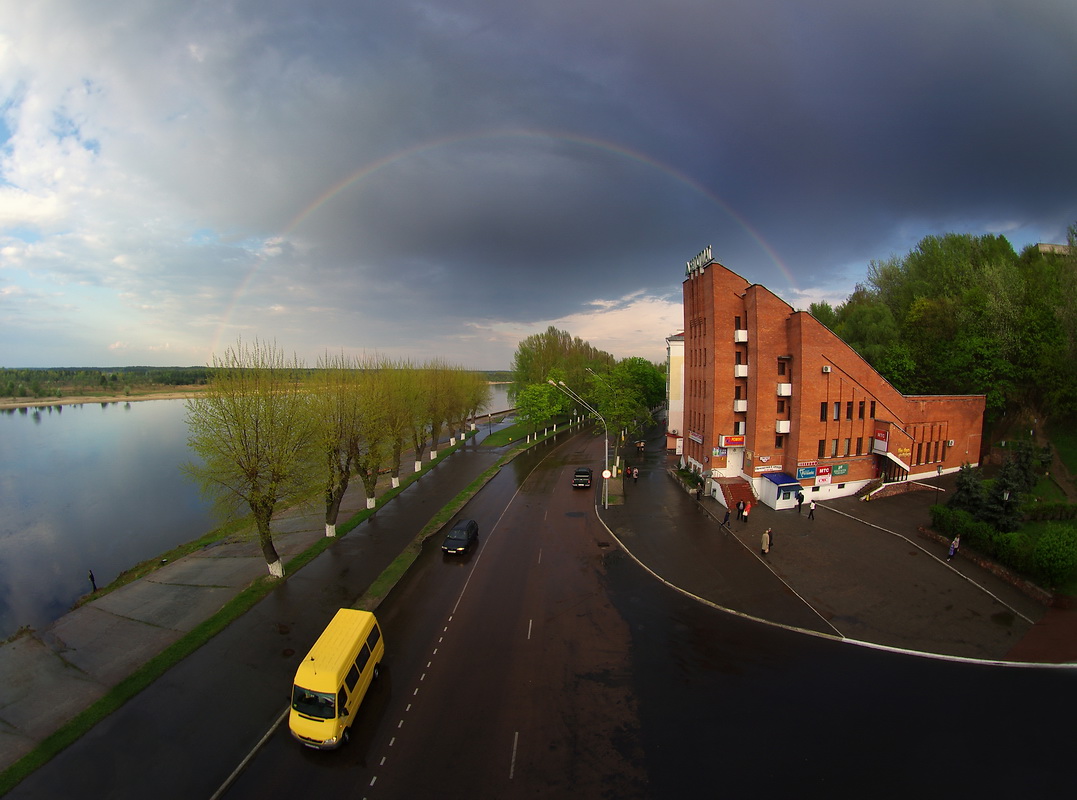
(1038, 511)
(1054, 558)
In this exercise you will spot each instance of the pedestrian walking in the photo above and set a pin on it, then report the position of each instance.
(699, 494)
(765, 543)
(770, 533)
(635, 474)
(954, 545)
(740, 510)
(747, 508)
(811, 510)
(725, 519)
(800, 501)
(93, 583)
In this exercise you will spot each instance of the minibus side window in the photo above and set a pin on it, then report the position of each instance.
(352, 679)
(342, 702)
(372, 639)
(364, 656)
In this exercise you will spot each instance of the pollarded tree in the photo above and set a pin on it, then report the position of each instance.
(335, 405)
(371, 441)
(402, 406)
(254, 431)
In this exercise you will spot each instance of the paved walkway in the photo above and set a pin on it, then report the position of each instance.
(858, 571)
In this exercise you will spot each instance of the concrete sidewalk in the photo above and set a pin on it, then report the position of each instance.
(859, 571)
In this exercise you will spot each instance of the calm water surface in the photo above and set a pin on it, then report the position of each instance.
(93, 487)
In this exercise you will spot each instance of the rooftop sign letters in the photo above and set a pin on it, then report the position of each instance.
(699, 262)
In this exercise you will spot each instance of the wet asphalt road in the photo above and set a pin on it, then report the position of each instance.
(679, 700)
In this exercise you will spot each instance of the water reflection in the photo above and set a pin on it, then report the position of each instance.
(93, 489)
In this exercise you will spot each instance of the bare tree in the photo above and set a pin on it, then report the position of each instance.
(254, 431)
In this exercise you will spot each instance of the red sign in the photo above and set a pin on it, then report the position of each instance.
(881, 434)
(732, 441)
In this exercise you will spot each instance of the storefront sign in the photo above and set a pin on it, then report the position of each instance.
(695, 437)
(699, 262)
(731, 441)
(805, 473)
(840, 469)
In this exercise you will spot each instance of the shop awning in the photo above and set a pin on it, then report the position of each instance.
(895, 459)
(781, 479)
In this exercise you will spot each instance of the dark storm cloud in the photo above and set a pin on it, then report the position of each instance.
(515, 163)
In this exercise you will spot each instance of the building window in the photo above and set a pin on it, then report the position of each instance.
(736, 324)
(736, 392)
(737, 357)
(781, 366)
(837, 410)
(781, 406)
(919, 452)
(861, 409)
(848, 443)
(860, 445)
(822, 412)
(873, 409)
(849, 410)
(822, 448)
(833, 448)
(778, 440)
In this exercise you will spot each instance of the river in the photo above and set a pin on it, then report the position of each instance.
(94, 487)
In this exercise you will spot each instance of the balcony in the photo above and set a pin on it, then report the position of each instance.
(782, 426)
(740, 337)
(785, 390)
(740, 370)
(740, 406)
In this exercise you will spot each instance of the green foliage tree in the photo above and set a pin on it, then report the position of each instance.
(969, 493)
(1055, 554)
(255, 433)
(540, 353)
(537, 404)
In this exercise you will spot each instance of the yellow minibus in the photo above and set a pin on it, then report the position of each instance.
(333, 679)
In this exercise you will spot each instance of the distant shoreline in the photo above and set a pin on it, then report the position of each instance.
(76, 400)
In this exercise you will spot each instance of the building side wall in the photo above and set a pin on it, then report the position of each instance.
(840, 413)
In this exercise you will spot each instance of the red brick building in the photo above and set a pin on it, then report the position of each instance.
(773, 398)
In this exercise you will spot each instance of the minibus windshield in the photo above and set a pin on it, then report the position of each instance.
(313, 704)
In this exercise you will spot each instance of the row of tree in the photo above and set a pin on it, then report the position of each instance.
(56, 381)
(268, 430)
(964, 314)
(622, 392)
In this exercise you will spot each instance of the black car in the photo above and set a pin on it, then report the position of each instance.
(582, 478)
(459, 540)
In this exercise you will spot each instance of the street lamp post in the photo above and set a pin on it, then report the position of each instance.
(605, 443)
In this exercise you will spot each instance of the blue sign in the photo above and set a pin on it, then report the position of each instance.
(805, 473)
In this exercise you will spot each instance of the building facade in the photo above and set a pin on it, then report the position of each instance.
(675, 392)
(774, 399)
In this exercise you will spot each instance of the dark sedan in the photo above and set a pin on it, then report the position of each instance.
(459, 540)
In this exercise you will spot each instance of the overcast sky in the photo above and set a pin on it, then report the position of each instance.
(444, 178)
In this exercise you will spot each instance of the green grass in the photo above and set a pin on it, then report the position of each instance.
(1064, 440)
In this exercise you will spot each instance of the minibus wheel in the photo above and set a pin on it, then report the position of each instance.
(377, 671)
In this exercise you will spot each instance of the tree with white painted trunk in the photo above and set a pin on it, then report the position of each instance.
(370, 442)
(255, 433)
(335, 396)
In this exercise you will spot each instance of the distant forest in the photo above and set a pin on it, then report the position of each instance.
(33, 382)
(962, 314)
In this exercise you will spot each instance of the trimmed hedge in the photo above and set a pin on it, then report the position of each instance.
(1051, 559)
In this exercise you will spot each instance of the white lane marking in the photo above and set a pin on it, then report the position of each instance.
(529, 629)
(512, 764)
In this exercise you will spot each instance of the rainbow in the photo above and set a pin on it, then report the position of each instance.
(372, 167)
